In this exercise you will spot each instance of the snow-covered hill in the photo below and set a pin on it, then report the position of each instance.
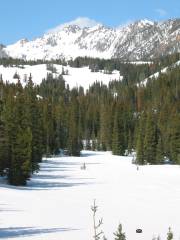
(57, 202)
(139, 40)
(76, 77)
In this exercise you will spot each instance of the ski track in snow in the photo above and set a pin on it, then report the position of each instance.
(56, 203)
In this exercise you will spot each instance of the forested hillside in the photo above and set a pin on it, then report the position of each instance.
(122, 117)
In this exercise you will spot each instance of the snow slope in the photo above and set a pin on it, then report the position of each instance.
(156, 75)
(76, 76)
(56, 203)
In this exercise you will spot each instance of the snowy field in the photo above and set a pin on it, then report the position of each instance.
(76, 76)
(56, 204)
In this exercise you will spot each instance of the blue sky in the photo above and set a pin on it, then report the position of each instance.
(32, 18)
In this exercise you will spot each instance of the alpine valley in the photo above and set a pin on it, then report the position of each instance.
(91, 112)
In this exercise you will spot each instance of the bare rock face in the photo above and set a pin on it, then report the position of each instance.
(2, 51)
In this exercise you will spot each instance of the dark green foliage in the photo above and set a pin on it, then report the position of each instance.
(118, 142)
(119, 235)
(74, 141)
(174, 138)
(37, 120)
(20, 141)
(159, 151)
(169, 235)
(20, 168)
(4, 151)
(105, 127)
(140, 158)
(150, 140)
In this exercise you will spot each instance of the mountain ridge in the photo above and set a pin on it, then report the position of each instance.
(142, 39)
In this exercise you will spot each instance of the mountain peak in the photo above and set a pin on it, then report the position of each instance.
(146, 22)
(143, 23)
(81, 22)
(84, 37)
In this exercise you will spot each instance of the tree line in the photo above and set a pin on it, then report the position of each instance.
(121, 117)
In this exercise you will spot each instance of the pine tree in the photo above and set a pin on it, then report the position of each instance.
(21, 140)
(96, 226)
(174, 142)
(119, 235)
(140, 158)
(103, 128)
(118, 140)
(116, 137)
(169, 234)
(150, 140)
(21, 158)
(4, 151)
(36, 123)
(159, 151)
(74, 141)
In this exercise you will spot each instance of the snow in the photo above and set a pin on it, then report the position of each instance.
(81, 22)
(145, 22)
(56, 203)
(69, 42)
(76, 76)
(84, 77)
(85, 37)
(140, 62)
(156, 75)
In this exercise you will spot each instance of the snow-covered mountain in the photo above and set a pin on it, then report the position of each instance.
(139, 40)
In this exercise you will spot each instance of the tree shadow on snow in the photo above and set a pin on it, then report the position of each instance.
(91, 154)
(52, 176)
(10, 210)
(46, 169)
(48, 176)
(28, 231)
(38, 185)
(60, 163)
(42, 184)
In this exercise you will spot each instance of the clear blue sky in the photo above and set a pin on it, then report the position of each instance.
(31, 18)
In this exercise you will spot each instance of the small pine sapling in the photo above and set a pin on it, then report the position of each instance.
(169, 234)
(119, 235)
(96, 226)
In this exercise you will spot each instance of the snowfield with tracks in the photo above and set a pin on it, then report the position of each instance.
(56, 203)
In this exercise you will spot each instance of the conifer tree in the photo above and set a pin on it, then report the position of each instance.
(36, 123)
(140, 158)
(74, 141)
(169, 234)
(20, 169)
(118, 139)
(150, 140)
(115, 137)
(159, 151)
(103, 128)
(4, 151)
(96, 225)
(175, 139)
(119, 235)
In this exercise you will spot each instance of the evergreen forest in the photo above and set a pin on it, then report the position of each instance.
(125, 116)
